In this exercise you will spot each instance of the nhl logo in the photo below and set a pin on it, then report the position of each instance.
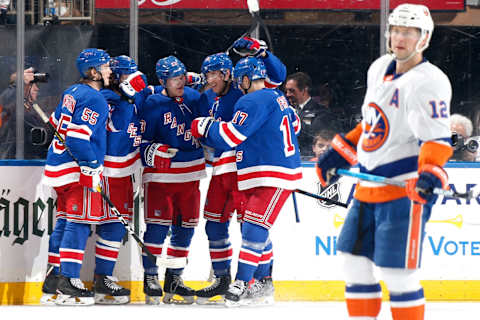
(331, 192)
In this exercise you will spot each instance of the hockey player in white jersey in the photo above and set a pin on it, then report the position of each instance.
(404, 134)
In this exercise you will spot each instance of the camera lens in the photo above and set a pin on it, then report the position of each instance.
(472, 146)
(40, 77)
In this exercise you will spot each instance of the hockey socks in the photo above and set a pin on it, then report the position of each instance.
(179, 244)
(407, 305)
(253, 243)
(54, 245)
(363, 301)
(219, 246)
(265, 264)
(72, 248)
(109, 237)
(154, 237)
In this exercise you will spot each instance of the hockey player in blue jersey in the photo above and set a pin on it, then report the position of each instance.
(263, 131)
(174, 164)
(74, 170)
(122, 160)
(223, 197)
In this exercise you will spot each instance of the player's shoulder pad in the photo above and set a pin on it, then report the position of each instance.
(191, 95)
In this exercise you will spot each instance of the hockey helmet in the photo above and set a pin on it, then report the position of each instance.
(218, 61)
(411, 15)
(91, 58)
(251, 67)
(169, 67)
(122, 65)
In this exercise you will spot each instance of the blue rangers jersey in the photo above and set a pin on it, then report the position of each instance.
(168, 121)
(80, 119)
(263, 131)
(221, 108)
(123, 137)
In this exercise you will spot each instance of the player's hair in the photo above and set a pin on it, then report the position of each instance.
(303, 80)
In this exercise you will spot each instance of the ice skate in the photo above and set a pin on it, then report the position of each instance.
(176, 291)
(261, 292)
(72, 292)
(108, 291)
(49, 288)
(236, 294)
(152, 289)
(219, 287)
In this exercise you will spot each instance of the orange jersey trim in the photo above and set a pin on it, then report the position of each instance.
(354, 135)
(434, 153)
(414, 236)
(379, 194)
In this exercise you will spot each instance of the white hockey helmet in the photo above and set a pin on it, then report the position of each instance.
(411, 15)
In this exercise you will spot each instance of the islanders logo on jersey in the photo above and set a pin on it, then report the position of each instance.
(376, 128)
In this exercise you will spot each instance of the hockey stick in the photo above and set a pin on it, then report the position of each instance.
(316, 196)
(254, 9)
(295, 208)
(174, 263)
(374, 178)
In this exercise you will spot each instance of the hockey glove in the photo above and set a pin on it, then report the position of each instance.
(135, 82)
(342, 154)
(201, 125)
(421, 190)
(91, 175)
(247, 46)
(195, 80)
(158, 155)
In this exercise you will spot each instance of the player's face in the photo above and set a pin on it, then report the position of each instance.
(292, 92)
(216, 81)
(175, 86)
(105, 71)
(403, 41)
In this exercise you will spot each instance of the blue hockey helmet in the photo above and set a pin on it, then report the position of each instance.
(91, 58)
(251, 67)
(122, 65)
(218, 61)
(169, 67)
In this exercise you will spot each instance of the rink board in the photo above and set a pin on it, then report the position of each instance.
(307, 265)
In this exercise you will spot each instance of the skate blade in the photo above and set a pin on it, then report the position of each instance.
(153, 301)
(101, 298)
(67, 300)
(217, 300)
(262, 301)
(48, 299)
(171, 298)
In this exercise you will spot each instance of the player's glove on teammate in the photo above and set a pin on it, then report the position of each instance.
(135, 82)
(200, 126)
(247, 46)
(159, 155)
(341, 154)
(195, 80)
(91, 175)
(430, 177)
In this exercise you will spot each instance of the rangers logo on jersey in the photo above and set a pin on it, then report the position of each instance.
(376, 128)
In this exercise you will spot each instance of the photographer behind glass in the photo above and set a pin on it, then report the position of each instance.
(37, 138)
(465, 146)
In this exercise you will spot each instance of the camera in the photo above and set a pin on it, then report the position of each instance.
(459, 143)
(40, 77)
